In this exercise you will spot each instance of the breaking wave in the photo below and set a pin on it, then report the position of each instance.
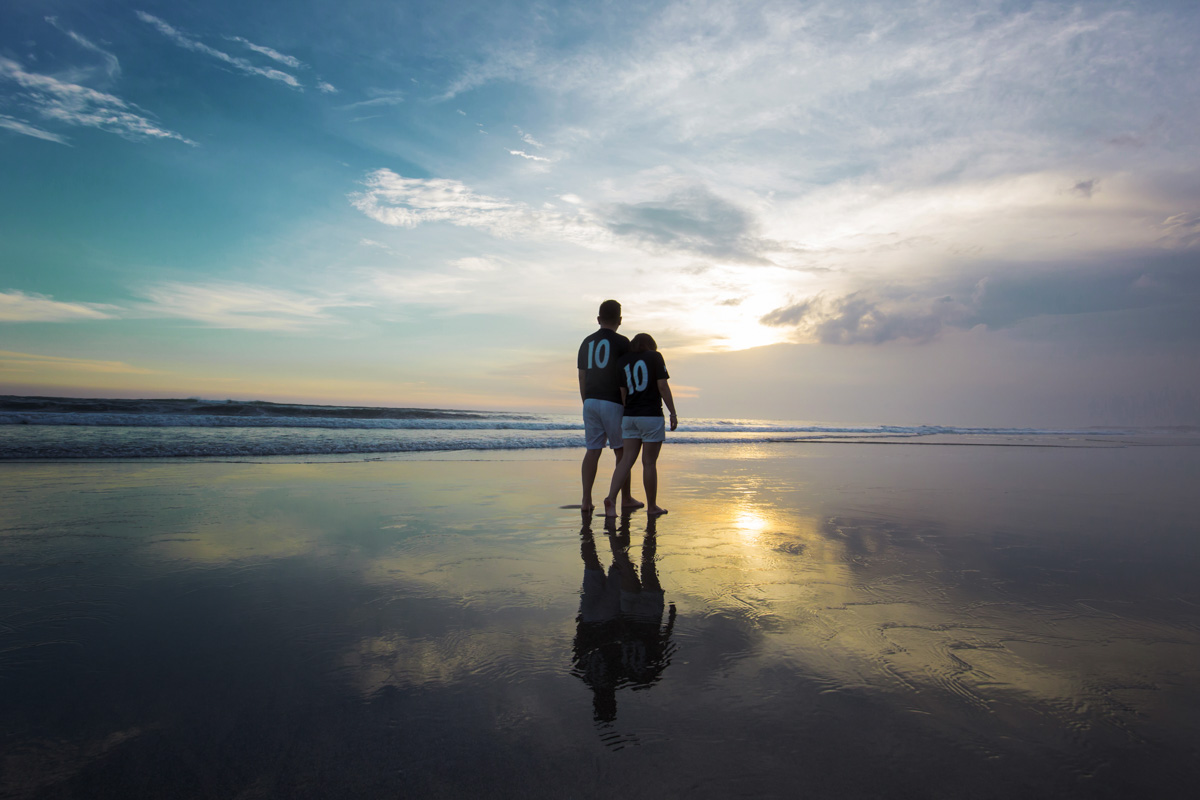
(55, 428)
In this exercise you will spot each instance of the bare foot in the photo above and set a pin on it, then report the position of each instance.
(610, 508)
(631, 504)
(586, 505)
(654, 511)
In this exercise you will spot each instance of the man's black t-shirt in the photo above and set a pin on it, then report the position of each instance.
(598, 355)
(641, 373)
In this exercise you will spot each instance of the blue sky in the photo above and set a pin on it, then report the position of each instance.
(980, 213)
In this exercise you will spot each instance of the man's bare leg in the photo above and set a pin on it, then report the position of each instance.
(650, 453)
(587, 544)
(591, 461)
(627, 501)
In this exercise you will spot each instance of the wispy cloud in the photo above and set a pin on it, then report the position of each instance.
(408, 202)
(527, 139)
(901, 90)
(73, 104)
(15, 365)
(240, 64)
(523, 154)
(23, 127)
(275, 55)
(499, 64)
(690, 221)
(378, 98)
(21, 307)
(476, 264)
(243, 306)
(111, 65)
(1182, 231)
(327, 87)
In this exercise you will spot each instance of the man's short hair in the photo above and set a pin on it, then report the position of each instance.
(610, 311)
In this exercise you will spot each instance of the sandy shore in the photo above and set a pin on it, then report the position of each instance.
(850, 621)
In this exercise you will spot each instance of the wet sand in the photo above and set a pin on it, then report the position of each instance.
(849, 620)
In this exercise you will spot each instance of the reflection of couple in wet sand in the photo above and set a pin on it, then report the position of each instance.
(623, 385)
(620, 639)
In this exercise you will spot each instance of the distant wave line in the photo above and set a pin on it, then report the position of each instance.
(88, 448)
(227, 408)
(477, 423)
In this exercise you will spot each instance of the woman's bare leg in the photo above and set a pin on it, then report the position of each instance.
(650, 451)
(621, 475)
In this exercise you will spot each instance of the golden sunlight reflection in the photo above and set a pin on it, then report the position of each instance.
(749, 523)
(838, 597)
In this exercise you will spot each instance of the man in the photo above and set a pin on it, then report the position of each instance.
(600, 389)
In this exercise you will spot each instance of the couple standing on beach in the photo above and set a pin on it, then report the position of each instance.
(623, 385)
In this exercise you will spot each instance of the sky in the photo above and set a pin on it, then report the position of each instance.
(968, 213)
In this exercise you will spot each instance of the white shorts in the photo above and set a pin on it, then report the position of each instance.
(648, 429)
(601, 420)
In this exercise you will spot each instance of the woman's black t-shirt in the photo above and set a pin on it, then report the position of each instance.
(641, 373)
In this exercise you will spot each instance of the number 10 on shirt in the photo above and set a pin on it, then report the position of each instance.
(600, 352)
(639, 378)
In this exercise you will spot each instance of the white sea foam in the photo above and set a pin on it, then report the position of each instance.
(494, 423)
(40, 428)
(123, 420)
(59, 442)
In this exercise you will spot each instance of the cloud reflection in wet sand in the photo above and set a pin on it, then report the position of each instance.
(964, 617)
(994, 629)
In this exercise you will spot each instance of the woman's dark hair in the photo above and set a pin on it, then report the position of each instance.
(641, 343)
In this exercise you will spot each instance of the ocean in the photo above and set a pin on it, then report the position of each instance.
(70, 428)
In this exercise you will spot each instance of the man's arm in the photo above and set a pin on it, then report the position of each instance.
(664, 389)
(582, 384)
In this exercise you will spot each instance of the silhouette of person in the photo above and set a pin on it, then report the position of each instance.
(644, 391)
(603, 409)
(620, 639)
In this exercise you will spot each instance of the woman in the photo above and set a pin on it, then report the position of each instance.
(644, 392)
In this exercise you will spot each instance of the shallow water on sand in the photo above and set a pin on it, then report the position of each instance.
(809, 620)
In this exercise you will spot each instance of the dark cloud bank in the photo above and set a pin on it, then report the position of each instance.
(692, 220)
(1152, 300)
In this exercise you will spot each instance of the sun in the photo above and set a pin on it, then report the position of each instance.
(732, 328)
(748, 334)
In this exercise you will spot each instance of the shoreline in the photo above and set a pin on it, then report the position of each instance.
(560, 453)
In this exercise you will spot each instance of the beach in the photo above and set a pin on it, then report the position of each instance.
(952, 617)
